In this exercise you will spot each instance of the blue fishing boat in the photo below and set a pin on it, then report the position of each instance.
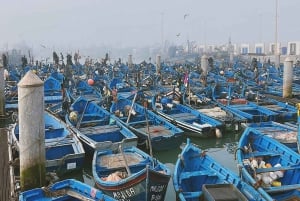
(124, 88)
(208, 107)
(147, 125)
(197, 175)
(52, 91)
(286, 112)
(196, 123)
(82, 88)
(284, 133)
(69, 189)
(270, 166)
(130, 174)
(96, 127)
(64, 151)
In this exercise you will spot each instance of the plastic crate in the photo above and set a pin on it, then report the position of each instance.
(222, 192)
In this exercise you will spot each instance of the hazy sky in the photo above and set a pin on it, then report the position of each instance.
(121, 23)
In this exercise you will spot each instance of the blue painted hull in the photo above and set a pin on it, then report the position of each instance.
(97, 129)
(64, 151)
(253, 145)
(69, 189)
(195, 169)
(146, 124)
(148, 178)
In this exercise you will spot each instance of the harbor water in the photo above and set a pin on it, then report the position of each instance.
(221, 149)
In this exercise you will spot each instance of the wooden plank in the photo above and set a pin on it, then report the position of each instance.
(4, 166)
(99, 129)
(117, 160)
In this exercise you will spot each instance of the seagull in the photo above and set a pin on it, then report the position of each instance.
(178, 34)
(185, 15)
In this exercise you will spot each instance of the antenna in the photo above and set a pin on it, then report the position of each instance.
(276, 28)
(162, 33)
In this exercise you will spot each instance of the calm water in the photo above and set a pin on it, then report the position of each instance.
(220, 149)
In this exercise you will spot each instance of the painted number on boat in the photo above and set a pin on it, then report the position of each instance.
(124, 195)
(156, 192)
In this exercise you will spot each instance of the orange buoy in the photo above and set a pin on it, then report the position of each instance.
(91, 82)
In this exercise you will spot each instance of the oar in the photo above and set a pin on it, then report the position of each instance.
(124, 158)
(131, 108)
(81, 117)
(149, 135)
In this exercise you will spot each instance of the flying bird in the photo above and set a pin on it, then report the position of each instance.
(185, 16)
(178, 34)
(43, 46)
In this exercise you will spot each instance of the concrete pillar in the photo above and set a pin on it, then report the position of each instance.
(231, 58)
(32, 131)
(287, 78)
(204, 65)
(277, 61)
(130, 63)
(158, 64)
(2, 96)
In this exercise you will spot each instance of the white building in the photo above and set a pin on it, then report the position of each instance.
(293, 48)
(272, 48)
(259, 48)
(245, 48)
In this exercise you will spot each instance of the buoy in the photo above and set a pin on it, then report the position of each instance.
(90, 82)
(218, 133)
(276, 183)
(73, 116)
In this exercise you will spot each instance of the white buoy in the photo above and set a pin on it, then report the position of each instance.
(32, 131)
(218, 133)
(287, 78)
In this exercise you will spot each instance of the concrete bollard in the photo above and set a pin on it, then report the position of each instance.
(32, 131)
(130, 62)
(158, 64)
(287, 78)
(204, 65)
(2, 96)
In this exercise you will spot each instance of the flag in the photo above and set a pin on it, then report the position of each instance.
(186, 79)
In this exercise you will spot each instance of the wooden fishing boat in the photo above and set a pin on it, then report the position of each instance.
(130, 174)
(52, 91)
(147, 125)
(82, 88)
(284, 133)
(69, 189)
(64, 151)
(196, 123)
(286, 112)
(124, 88)
(96, 127)
(208, 107)
(197, 176)
(270, 166)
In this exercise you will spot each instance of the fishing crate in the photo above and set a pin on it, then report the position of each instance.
(222, 192)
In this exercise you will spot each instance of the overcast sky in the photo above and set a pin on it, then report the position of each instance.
(122, 23)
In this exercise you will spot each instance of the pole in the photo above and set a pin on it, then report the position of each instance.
(4, 165)
(32, 131)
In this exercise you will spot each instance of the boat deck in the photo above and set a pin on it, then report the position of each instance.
(183, 116)
(99, 129)
(156, 131)
(117, 160)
